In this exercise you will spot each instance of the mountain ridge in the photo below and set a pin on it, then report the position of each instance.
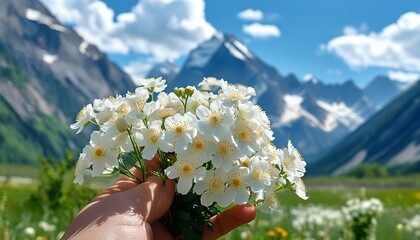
(47, 73)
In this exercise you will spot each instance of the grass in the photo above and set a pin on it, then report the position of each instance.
(399, 203)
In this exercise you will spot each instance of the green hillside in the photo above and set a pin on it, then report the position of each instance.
(24, 141)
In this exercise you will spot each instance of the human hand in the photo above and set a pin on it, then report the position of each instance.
(132, 210)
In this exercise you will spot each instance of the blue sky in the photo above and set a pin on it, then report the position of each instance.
(329, 39)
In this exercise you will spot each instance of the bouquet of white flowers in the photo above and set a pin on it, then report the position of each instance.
(215, 142)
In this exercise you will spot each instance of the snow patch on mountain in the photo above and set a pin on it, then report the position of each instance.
(340, 112)
(36, 16)
(235, 51)
(200, 57)
(48, 58)
(243, 49)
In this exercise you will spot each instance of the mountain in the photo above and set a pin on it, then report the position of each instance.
(382, 89)
(312, 114)
(47, 73)
(391, 137)
(167, 70)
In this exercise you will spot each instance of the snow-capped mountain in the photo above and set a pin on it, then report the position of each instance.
(312, 114)
(47, 73)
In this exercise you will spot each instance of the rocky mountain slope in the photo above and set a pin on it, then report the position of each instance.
(47, 73)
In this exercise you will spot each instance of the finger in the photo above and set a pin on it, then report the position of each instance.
(161, 232)
(153, 198)
(229, 219)
(125, 183)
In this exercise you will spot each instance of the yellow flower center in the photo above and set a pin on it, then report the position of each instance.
(122, 110)
(224, 150)
(186, 169)
(236, 182)
(153, 138)
(216, 186)
(199, 145)
(98, 152)
(179, 127)
(215, 117)
(166, 112)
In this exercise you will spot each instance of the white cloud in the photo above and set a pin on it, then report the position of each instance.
(138, 68)
(397, 46)
(251, 14)
(261, 30)
(404, 76)
(350, 30)
(160, 28)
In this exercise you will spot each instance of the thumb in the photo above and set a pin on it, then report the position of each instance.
(153, 197)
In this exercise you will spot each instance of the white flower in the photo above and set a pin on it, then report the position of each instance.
(137, 99)
(83, 117)
(186, 168)
(237, 93)
(269, 199)
(152, 138)
(99, 153)
(81, 169)
(211, 188)
(245, 134)
(226, 153)
(292, 162)
(181, 130)
(153, 84)
(46, 226)
(105, 109)
(202, 146)
(167, 105)
(199, 98)
(237, 181)
(215, 121)
(300, 188)
(260, 177)
(30, 231)
(209, 83)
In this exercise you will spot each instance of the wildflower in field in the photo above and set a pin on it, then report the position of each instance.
(283, 233)
(271, 234)
(46, 226)
(412, 225)
(361, 216)
(216, 145)
(30, 231)
(320, 218)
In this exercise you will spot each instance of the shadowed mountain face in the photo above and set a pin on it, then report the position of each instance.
(46, 72)
(391, 137)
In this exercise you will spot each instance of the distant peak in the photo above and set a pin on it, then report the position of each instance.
(310, 78)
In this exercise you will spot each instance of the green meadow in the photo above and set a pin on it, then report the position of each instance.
(44, 206)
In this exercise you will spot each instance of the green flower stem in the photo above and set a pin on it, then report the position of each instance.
(137, 155)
